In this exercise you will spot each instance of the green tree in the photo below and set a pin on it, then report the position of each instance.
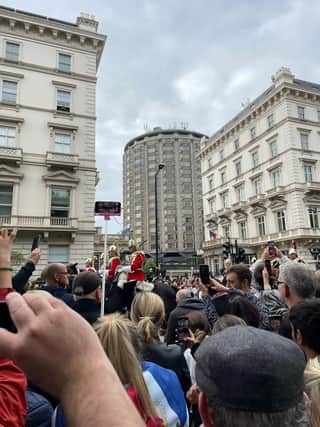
(149, 263)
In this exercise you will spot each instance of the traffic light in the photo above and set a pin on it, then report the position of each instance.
(226, 250)
(242, 255)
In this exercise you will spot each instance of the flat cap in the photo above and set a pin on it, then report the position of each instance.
(248, 369)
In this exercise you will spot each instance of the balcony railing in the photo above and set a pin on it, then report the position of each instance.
(239, 205)
(59, 221)
(5, 220)
(276, 191)
(62, 159)
(224, 212)
(33, 221)
(312, 186)
(12, 154)
(262, 240)
(38, 222)
(291, 234)
(257, 198)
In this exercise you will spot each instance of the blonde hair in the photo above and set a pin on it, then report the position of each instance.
(114, 334)
(147, 311)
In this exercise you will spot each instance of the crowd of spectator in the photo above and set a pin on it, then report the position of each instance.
(242, 350)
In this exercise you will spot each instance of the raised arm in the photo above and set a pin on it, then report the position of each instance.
(49, 334)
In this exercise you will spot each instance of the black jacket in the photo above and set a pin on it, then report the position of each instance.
(170, 357)
(182, 310)
(21, 278)
(168, 296)
(60, 293)
(88, 308)
(285, 327)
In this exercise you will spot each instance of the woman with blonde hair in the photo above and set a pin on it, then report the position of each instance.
(163, 385)
(115, 336)
(116, 341)
(148, 313)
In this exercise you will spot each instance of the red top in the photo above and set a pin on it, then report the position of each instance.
(150, 422)
(136, 267)
(112, 266)
(13, 384)
(13, 405)
(4, 292)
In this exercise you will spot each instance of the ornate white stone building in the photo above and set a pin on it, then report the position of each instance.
(261, 173)
(48, 76)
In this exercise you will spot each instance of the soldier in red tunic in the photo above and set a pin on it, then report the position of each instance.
(134, 270)
(113, 263)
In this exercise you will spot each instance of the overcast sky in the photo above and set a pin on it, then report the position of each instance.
(173, 61)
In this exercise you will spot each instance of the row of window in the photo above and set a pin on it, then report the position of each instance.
(255, 160)
(13, 53)
(62, 140)
(59, 206)
(280, 220)
(10, 90)
(240, 191)
(275, 176)
(270, 124)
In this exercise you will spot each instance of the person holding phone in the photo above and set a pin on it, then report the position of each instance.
(13, 383)
(20, 280)
(238, 284)
(274, 255)
(186, 303)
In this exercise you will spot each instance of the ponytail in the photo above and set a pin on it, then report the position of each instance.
(113, 332)
(148, 313)
(147, 331)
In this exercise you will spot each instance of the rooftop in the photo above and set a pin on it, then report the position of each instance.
(35, 15)
(299, 84)
(159, 131)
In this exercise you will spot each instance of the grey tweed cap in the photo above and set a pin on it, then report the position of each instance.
(248, 369)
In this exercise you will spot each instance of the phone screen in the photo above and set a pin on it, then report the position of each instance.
(272, 249)
(35, 243)
(5, 318)
(182, 330)
(204, 274)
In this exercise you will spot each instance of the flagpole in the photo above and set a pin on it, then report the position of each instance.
(103, 297)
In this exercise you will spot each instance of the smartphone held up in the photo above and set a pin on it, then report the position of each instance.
(204, 274)
(205, 278)
(182, 331)
(272, 248)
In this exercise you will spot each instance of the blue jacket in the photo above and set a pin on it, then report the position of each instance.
(39, 411)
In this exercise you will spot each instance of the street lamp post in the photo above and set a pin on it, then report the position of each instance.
(161, 166)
